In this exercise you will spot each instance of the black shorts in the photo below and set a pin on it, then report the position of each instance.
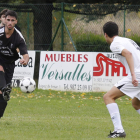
(9, 70)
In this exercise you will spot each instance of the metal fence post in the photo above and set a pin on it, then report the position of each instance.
(124, 21)
(63, 22)
(28, 26)
(62, 28)
(60, 22)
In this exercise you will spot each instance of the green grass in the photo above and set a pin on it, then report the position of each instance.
(56, 115)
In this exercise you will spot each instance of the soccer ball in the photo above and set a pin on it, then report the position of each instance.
(27, 85)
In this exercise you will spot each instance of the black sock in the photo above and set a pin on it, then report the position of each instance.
(3, 103)
(2, 79)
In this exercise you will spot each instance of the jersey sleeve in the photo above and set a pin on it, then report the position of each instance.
(22, 47)
(116, 48)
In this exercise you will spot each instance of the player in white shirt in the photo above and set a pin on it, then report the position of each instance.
(128, 53)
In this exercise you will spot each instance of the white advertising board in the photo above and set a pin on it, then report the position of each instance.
(79, 71)
(107, 70)
(23, 71)
(66, 71)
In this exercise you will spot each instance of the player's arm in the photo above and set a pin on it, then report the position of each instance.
(25, 59)
(129, 59)
(22, 48)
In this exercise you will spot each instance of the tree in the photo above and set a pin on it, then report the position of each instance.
(43, 24)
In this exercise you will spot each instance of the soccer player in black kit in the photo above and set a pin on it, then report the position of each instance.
(10, 40)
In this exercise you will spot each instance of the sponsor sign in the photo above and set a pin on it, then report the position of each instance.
(79, 71)
(107, 70)
(72, 71)
(23, 71)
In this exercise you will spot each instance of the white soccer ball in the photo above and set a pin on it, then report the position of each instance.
(27, 85)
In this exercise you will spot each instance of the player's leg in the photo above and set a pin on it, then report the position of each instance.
(112, 95)
(2, 78)
(6, 74)
(9, 70)
(3, 103)
(6, 92)
(136, 104)
(109, 99)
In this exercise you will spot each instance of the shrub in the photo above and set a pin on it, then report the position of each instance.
(136, 38)
(96, 43)
(91, 43)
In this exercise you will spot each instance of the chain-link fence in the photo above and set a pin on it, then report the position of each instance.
(85, 23)
(70, 27)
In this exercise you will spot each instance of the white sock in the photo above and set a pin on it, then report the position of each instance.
(115, 116)
(138, 111)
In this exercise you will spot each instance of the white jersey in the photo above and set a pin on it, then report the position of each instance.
(120, 43)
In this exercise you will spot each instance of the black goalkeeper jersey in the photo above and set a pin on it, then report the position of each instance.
(9, 45)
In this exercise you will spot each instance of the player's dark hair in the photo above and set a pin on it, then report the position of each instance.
(110, 28)
(3, 12)
(11, 13)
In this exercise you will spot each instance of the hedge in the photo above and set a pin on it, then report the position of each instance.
(96, 43)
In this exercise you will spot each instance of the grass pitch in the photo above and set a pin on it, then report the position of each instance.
(57, 115)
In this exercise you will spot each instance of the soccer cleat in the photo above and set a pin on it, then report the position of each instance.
(6, 92)
(114, 134)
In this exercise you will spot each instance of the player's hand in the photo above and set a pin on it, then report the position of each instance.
(134, 81)
(23, 62)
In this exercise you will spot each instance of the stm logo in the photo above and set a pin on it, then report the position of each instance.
(115, 66)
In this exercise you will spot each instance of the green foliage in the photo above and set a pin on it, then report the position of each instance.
(96, 43)
(92, 43)
(136, 38)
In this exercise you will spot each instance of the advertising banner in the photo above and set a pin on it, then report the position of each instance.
(23, 71)
(64, 71)
(107, 70)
